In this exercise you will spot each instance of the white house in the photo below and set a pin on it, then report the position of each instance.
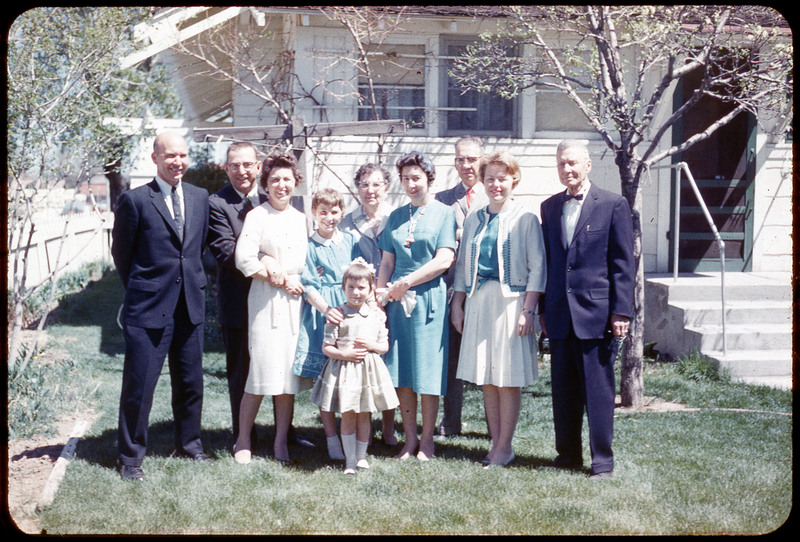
(744, 174)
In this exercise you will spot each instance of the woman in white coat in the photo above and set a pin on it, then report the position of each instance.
(272, 249)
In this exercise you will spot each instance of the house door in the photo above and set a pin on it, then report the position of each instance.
(724, 168)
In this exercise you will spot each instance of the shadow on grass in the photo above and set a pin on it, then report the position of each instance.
(95, 305)
(99, 303)
(308, 451)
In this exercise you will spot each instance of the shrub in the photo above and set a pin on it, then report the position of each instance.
(698, 367)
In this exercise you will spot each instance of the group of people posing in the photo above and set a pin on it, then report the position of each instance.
(378, 309)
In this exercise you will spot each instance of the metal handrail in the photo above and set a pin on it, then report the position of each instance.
(720, 243)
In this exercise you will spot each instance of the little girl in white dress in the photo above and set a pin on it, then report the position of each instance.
(355, 380)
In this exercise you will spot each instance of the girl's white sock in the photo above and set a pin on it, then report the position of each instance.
(361, 454)
(349, 445)
(335, 448)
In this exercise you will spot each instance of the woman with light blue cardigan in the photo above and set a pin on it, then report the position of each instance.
(500, 273)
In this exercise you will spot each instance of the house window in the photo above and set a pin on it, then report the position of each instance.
(556, 112)
(471, 111)
(397, 74)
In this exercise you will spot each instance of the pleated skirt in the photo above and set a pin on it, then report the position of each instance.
(492, 352)
(345, 386)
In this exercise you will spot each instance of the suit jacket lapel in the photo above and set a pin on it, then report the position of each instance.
(586, 212)
(161, 206)
(193, 212)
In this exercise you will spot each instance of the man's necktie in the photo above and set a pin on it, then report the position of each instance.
(470, 196)
(568, 197)
(176, 209)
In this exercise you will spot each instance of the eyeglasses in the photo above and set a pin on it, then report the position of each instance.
(245, 165)
(374, 186)
(466, 160)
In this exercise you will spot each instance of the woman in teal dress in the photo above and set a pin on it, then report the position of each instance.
(418, 246)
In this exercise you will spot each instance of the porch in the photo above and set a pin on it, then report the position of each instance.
(684, 315)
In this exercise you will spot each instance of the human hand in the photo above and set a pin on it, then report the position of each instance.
(292, 286)
(353, 352)
(525, 323)
(334, 316)
(398, 289)
(457, 316)
(275, 275)
(620, 325)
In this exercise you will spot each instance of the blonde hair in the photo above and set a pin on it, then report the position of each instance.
(505, 159)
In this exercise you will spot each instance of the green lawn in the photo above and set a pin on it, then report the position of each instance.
(713, 470)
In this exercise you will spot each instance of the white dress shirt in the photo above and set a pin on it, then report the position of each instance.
(166, 190)
(572, 211)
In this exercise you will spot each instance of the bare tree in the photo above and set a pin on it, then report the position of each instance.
(63, 82)
(618, 66)
(260, 62)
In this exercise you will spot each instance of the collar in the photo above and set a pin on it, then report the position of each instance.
(583, 191)
(335, 240)
(253, 192)
(347, 310)
(166, 188)
(512, 205)
(383, 211)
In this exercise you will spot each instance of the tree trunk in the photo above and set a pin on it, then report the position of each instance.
(631, 378)
(117, 184)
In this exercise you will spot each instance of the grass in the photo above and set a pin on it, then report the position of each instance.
(724, 468)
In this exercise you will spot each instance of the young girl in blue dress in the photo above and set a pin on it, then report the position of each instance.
(330, 251)
(355, 380)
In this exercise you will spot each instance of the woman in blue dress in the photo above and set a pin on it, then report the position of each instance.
(418, 246)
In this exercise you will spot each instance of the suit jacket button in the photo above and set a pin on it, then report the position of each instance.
(177, 280)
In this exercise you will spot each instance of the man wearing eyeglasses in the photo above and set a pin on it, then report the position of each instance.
(465, 197)
(227, 209)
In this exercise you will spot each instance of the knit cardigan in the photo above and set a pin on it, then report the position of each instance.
(520, 247)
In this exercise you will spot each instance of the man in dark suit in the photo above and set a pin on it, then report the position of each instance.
(463, 198)
(228, 208)
(588, 303)
(158, 238)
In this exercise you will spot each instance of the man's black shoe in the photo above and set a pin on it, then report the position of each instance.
(199, 456)
(131, 472)
(600, 476)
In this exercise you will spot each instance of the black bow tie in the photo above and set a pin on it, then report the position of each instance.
(568, 197)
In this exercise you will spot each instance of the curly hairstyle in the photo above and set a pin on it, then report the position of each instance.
(278, 160)
(416, 158)
(368, 169)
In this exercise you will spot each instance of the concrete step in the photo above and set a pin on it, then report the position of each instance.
(752, 336)
(751, 364)
(684, 315)
(783, 382)
(738, 286)
(700, 313)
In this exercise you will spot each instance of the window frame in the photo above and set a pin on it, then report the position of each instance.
(443, 103)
